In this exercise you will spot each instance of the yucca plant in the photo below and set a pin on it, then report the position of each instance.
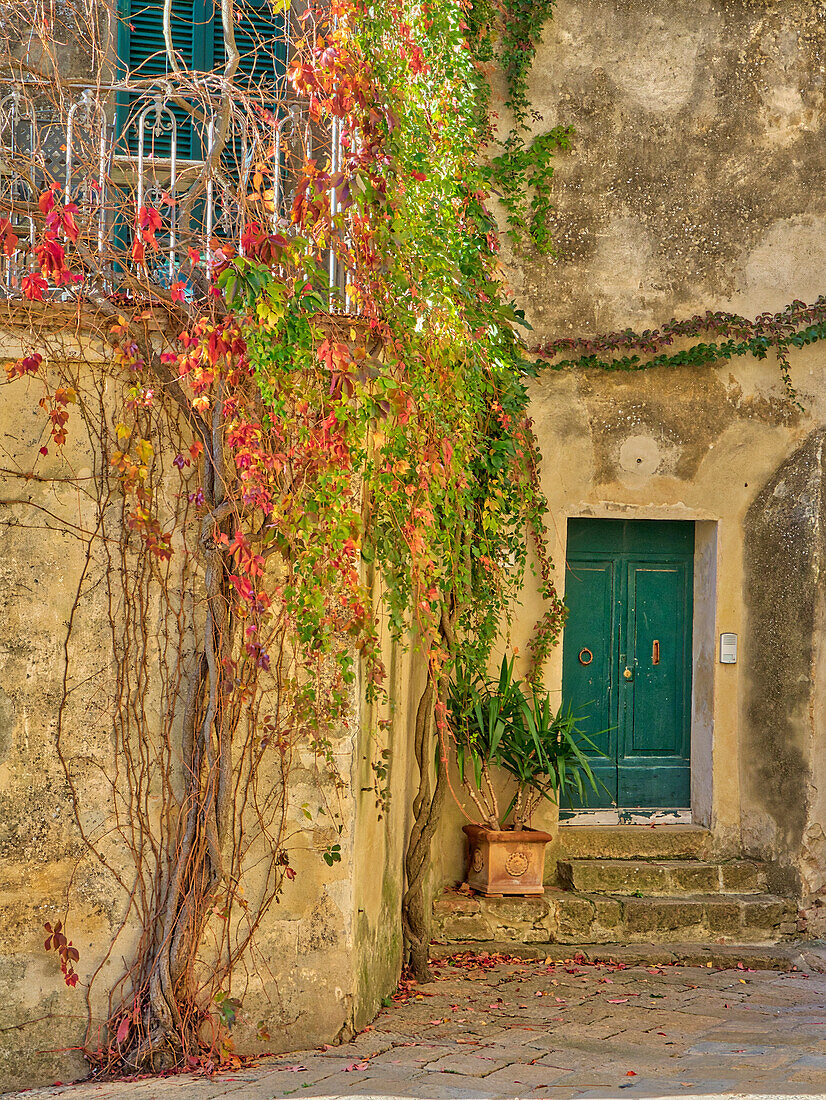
(509, 724)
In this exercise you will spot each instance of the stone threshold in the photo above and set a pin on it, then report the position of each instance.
(806, 956)
(626, 817)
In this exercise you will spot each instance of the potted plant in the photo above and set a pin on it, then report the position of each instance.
(511, 725)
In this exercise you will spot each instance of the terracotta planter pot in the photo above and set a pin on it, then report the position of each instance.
(506, 862)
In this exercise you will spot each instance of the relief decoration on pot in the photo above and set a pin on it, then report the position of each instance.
(516, 864)
(478, 861)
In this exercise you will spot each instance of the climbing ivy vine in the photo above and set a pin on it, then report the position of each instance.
(506, 36)
(796, 326)
(323, 452)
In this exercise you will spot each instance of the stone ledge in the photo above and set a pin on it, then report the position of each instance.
(630, 842)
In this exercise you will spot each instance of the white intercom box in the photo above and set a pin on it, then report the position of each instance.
(728, 649)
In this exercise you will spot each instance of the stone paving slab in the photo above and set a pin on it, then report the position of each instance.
(489, 1029)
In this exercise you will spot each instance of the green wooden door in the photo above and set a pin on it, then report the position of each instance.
(627, 656)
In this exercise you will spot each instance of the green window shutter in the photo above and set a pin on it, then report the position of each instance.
(197, 34)
(141, 50)
(261, 40)
(260, 35)
(142, 53)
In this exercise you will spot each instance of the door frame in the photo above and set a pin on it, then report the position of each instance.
(702, 666)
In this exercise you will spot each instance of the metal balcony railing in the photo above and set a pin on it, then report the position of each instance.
(115, 150)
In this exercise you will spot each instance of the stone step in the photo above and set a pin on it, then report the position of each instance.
(661, 878)
(631, 842)
(690, 918)
(808, 957)
(570, 917)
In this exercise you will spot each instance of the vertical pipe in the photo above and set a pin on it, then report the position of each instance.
(333, 203)
(276, 176)
(141, 138)
(348, 241)
(173, 181)
(244, 185)
(102, 173)
(308, 155)
(210, 193)
(70, 127)
(10, 265)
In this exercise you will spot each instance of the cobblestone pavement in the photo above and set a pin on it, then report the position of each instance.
(535, 1029)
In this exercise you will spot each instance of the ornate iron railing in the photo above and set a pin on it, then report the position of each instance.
(114, 151)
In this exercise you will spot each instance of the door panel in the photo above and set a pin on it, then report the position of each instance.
(654, 760)
(656, 606)
(642, 633)
(590, 596)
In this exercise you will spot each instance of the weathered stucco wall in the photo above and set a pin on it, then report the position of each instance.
(382, 824)
(324, 956)
(696, 181)
(783, 765)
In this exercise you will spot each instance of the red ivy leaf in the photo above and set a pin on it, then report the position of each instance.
(33, 287)
(46, 201)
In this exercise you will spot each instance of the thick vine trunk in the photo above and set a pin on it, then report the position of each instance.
(196, 863)
(427, 809)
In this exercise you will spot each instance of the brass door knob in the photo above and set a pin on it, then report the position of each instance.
(628, 674)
